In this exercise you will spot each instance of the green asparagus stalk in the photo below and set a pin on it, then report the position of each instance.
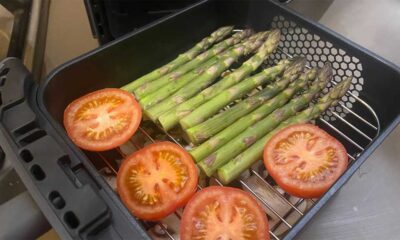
(212, 106)
(171, 117)
(243, 161)
(181, 59)
(167, 122)
(168, 89)
(203, 80)
(244, 140)
(152, 86)
(240, 125)
(209, 128)
(240, 49)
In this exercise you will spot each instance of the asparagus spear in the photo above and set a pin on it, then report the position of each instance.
(209, 128)
(235, 146)
(152, 86)
(228, 95)
(181, 59)
(212, 106)
(203, 80)
(172, 117)
(168, 89)
(240, 163)
(241, 124)
(168, 121)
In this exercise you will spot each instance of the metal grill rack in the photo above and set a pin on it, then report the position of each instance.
(282, 217)
(356, 125)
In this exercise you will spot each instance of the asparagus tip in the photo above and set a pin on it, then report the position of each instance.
(326, 72)
(297, 65)
(344, 85)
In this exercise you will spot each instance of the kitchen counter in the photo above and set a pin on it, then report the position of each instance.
(367, 206)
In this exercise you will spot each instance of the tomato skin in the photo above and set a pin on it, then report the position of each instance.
(130, 107)
(305, 188)
(227, 196)
(146, 155)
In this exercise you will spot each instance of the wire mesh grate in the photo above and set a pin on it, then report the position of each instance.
(298, 40)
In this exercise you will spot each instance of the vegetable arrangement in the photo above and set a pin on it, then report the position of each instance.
(232, 119)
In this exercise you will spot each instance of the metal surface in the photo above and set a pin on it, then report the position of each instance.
(279, 206)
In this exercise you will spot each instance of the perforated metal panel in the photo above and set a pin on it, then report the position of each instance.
(299, 41)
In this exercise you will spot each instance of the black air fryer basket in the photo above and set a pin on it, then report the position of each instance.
(66, 182)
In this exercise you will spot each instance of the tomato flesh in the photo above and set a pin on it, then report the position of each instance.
(223, 213)
(156, 180)
(304, 160)
(103, 119)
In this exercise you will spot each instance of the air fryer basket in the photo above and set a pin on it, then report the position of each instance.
(63, 180)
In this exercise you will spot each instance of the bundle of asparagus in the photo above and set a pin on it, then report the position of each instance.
(240, 163)
(222, 61)
(169, 104)
(181, 59)
(171, 117)
(209, 128)
(152, 86)
(183, 92)
(228, 95)
(235, 146)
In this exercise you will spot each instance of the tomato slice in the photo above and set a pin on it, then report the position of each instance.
(223, 213)
(103, 119)
(156, 180)
(304, 160)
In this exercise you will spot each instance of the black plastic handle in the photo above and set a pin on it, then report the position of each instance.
(98, 20)
(67, 196)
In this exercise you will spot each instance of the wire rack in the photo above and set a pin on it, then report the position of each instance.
(283, 210)
(356, 126)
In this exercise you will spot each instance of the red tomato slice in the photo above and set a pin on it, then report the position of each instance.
(223, 213)
(156, 180)
(304, 160)
(103, 119)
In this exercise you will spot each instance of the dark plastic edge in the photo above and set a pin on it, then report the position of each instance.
(48, 164)
(10, 150)
(98, 21)
(114, 42)
(92, 21)
(337, 37)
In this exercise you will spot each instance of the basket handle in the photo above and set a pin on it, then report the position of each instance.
(62, 188)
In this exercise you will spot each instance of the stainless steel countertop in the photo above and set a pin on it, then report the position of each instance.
(367, 207)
